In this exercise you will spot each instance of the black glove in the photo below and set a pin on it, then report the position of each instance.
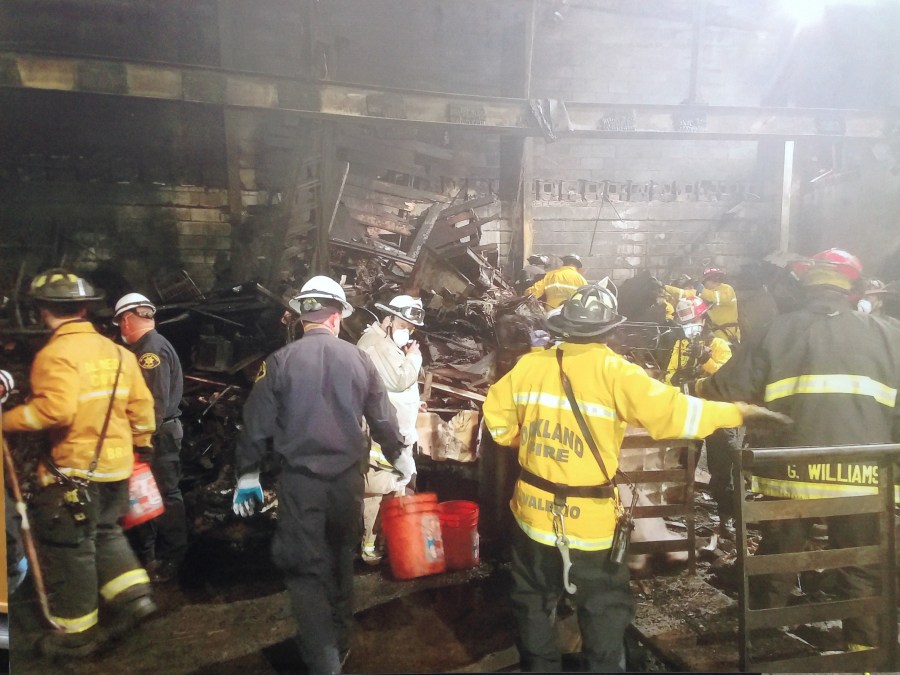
(144, 453)
(705, 355)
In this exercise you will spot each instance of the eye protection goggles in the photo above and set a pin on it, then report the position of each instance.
(308, 305)
(411, 314)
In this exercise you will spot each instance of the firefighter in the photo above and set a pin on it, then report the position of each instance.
(723, 311)
(558, 285)
(697, 354)
(563, 499)
(535, 269)
(162, 542)
(398, 360)
(310, 397)
(90, 394)
(834, 371)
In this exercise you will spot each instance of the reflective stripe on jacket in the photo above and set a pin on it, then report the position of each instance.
(528, 409)
(71, 383)
(835, 372)
(557, 286)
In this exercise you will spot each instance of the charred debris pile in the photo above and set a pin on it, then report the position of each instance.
(474, 327)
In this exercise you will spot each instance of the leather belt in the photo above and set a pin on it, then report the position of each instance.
(605, 491)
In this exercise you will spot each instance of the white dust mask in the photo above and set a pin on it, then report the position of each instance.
(692, 330)
(400, 336)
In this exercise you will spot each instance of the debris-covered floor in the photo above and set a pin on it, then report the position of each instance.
(230, 614)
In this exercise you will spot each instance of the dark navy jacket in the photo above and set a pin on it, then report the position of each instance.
(310, 397)
(162, 372)
(835, 373)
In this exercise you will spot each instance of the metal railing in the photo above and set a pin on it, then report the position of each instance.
(883, 604)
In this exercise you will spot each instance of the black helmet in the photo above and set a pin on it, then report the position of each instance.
(572, 259)
(592, 311)
(539, 259)
(682, 280)
(58, 285)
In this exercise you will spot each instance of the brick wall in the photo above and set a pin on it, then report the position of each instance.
(146, 234)
(662, 205)
(616, 239)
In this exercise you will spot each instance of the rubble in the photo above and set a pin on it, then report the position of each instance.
(386, 239)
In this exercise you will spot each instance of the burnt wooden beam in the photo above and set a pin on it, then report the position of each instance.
(381, 221)
(424, 230)
(363, 195)
(396, 190)
(336, 101)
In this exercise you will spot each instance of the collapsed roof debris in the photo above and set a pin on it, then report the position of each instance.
(387, 240)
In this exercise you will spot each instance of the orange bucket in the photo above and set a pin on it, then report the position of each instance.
(459, 528)
(412, 528)
(143, 495)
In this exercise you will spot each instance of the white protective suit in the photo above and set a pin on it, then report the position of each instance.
(400, 373)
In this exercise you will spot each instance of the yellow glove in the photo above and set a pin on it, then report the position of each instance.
(755, 414)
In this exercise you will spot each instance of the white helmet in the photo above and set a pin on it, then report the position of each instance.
(132, 301)
(6, 379)
(406, 307)
(314, 291)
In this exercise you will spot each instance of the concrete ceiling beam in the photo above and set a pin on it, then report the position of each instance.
(336, 101)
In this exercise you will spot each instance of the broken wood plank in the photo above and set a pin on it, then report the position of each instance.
(382, 222)
(469, 205)
(456, 218)
(376, 197)
(471, 395)
(451, 235)
(397, 190)
(368, 207)
(377, 247)
(424, 230)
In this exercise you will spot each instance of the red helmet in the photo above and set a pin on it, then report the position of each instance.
(713, 272)
(838, 260)
(690, 310)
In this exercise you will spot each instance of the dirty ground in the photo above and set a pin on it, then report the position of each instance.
(230, 614)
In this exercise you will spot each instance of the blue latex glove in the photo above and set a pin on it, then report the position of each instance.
(540, 338)
(247, 495)
(18, 576)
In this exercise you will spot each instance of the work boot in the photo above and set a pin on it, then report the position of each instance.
(370, 554)
(726, 525)
(162, 571)
(69, 645)
(129, 615)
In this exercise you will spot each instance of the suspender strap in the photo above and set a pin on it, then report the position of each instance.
(585, 430)
(559, 490)
(102, 436)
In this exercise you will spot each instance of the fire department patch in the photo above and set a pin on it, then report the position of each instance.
(148, 361)
(262, 372)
